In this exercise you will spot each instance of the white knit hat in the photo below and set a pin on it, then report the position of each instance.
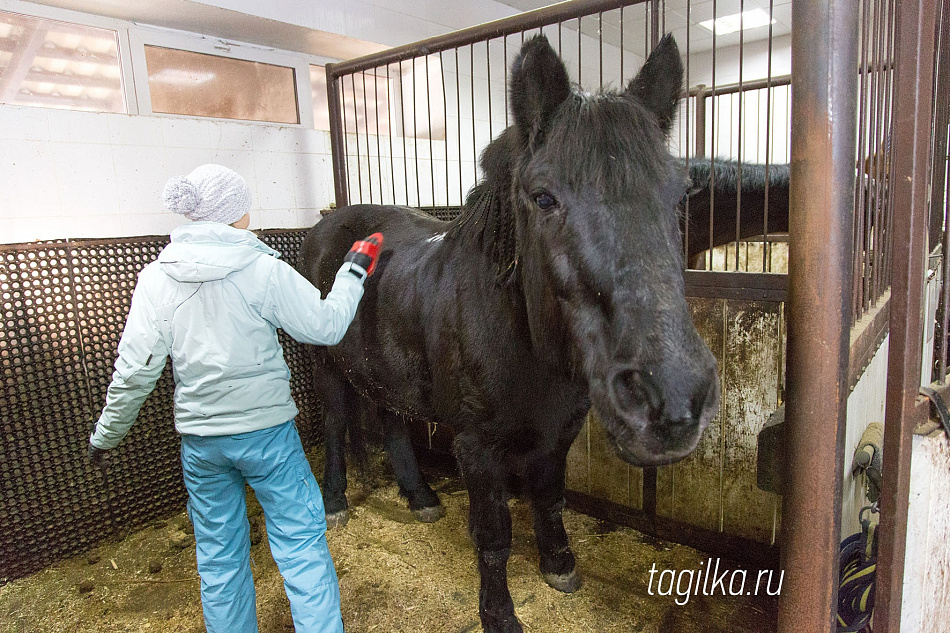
(211, 193)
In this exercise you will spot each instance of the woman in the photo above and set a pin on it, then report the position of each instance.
(213, 301)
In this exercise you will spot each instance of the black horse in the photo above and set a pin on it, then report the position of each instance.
(560, 286)
(717, 188)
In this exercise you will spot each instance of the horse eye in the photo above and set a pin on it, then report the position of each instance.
(545, 201)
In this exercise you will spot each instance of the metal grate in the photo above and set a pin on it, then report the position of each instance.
(63, 310)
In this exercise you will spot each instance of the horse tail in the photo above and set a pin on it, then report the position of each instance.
(356, 429)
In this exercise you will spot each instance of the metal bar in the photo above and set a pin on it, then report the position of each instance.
(745, 86)
(580, 51)
(515, 24)
(940, 156)
(337, 149)
(872, 276)
(402, 122)
(356, 135)
(431, 152)
(913, 102)
(415, 133)
(622, 52)
(392, 154)
(445, 108)
(654, 23)
(474, 133)
(739, 132)
(379, 152)
(505, 70)
(767, 245)
(942, 120)
(713, 142)
(686, 127)
(860, 211)
(600, 39)
(458, 117)
(701, 122)
(824, 88)
(369, 159)
(491, 131)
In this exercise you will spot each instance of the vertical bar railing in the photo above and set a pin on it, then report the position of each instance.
(550, 16)
(913, 107)
(824, 91)
(939, 207)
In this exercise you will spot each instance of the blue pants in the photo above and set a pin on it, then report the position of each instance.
(272, 461)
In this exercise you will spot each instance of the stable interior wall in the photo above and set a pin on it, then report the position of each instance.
(68, 174)
(71, 174)
(715, 487)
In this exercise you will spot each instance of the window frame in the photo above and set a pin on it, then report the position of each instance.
(141, 36)
(93, 21)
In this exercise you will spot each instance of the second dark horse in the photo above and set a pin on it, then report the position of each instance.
(560, 286)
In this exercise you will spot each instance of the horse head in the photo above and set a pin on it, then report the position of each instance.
(597, 248)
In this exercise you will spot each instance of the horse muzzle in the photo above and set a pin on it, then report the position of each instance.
(656, 417)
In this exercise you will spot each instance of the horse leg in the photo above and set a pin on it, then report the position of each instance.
(546, 490)
(489, 523)
(340, 406)
(423, 502)
(545, 486)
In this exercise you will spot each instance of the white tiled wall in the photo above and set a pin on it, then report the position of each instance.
(70, 174)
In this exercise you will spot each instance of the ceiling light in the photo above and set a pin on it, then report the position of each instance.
(738, 21)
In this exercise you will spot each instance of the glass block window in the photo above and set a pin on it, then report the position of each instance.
(199, 84)
(59, 65)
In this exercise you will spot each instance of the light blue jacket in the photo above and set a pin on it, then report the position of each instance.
(213, 301)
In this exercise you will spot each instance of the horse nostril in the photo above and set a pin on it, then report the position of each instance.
(631, 389)
(706, 399)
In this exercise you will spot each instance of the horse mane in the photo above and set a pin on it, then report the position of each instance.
(487, 221)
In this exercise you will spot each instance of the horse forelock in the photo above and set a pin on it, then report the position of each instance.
(608, 143)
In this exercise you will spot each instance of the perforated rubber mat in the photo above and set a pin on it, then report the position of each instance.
(63, 307)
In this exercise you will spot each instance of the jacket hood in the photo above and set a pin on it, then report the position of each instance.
(208, 251)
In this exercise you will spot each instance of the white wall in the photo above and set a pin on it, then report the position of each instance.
(734, 130)
(71, 174)
(926, 591)
(66, 174)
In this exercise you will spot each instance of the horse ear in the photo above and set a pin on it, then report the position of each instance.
(660, 81)
(539, 84)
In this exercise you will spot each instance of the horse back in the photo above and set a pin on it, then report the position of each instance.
(328, 242)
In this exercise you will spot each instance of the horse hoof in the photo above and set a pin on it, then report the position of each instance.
(509, 625)
(430, 514)
(566, 583)
(338, 519)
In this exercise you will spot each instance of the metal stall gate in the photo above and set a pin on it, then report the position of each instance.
(63, 310)
(796, 169)
(408, 124)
